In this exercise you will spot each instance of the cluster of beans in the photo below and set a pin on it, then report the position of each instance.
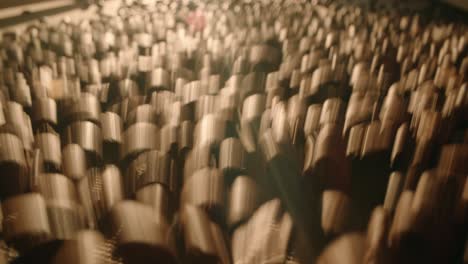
(246, 132)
